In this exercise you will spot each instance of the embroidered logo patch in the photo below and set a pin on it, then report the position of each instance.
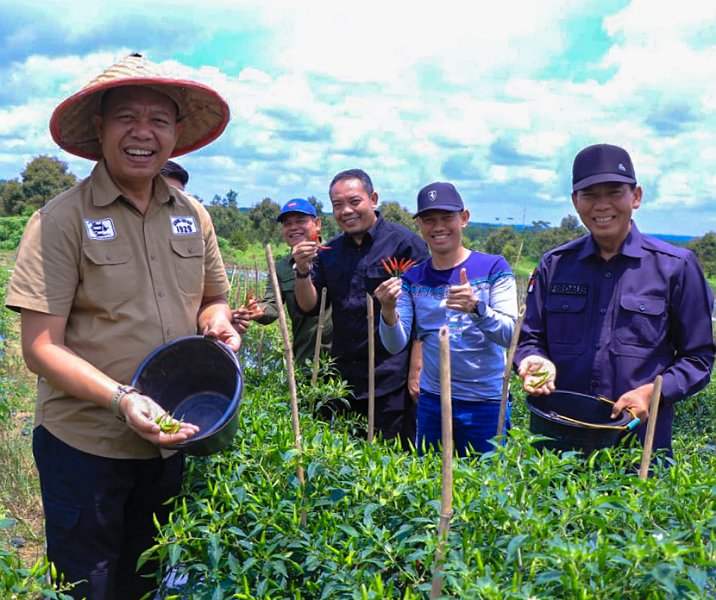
(569, 289)
(100, 229)
(183, 225)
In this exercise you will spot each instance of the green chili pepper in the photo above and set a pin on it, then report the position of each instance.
(167, 423)
(543, 377)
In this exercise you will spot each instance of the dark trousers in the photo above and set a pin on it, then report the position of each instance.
(99, 515)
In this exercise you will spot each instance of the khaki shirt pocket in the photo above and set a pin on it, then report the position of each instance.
(188, 257)
(109, 274)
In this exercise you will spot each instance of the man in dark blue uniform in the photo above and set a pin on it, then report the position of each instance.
(349, 270)
(608, 312)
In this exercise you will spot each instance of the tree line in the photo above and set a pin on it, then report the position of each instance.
(44, 177)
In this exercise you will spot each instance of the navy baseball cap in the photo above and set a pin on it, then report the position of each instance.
(601, 163)
(297, 205)
(439, 196)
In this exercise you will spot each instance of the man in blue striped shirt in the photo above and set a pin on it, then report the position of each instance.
(474, 294)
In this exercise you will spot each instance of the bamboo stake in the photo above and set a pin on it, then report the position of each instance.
(319, 337)
(291, 374)
(650, 428)
(371, 367)
(446, 496)
(508, 371)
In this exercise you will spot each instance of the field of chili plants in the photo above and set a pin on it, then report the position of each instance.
(525, 525)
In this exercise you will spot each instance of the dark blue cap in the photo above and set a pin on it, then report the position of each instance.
(602, 163)
(439, 196)
(297, 205)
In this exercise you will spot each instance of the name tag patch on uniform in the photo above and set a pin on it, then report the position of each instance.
(183, 225)
(100, 229)
(569, 289)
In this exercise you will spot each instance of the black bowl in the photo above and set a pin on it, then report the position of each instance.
(552, 415)
(197, 379)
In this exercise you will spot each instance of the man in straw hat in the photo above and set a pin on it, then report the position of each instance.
(608, 312)
(106, 272)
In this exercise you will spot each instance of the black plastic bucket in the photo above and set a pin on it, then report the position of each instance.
(577, 421)
(197, 379)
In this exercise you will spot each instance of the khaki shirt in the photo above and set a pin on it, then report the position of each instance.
(127, 283)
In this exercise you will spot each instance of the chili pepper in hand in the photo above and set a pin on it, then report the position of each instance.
(396, 268)
(316, 237)
(167, 423)
(251, 304)
(543, 378)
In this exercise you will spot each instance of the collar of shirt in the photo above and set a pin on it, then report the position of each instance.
(105, 191)
(631, 246)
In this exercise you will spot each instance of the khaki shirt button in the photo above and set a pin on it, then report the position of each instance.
(161, 293)
(170, 331)
(191, 249)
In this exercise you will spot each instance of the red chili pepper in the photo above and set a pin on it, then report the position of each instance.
(316, 237)
(251, 299)
(396, 268)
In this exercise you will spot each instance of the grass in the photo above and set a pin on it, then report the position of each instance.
(20, 504)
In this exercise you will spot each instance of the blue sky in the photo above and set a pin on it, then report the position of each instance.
(496, 97)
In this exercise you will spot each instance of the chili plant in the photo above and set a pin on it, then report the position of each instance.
(526, 523)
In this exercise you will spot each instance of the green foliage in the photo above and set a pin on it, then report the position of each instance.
(11, 229)
(525, 524)
(44, 178)
(263, 220)
(546, 239)
(392, 211)
(12, 200)
(705, 250)
(504, 241)
(20, 583)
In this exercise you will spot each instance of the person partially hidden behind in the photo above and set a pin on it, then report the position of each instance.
(107, 272)
(610, 311)
(299, 223)
(175, 175)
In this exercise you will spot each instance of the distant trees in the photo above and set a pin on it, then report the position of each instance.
(705, 250)
(504, 241)
(43, 178)
(546, 238)
(392, 211)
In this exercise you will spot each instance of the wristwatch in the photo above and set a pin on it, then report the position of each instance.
(300, 275)
(480, 308)
(119, 393)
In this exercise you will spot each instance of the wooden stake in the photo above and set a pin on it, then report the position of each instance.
(650, 428)
(291, 374)
(446, 497)
(371, 367)
(319, 337)
(508, 371)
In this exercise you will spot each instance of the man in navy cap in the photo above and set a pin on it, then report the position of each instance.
(608, 312)
(474, 294)
(300, 223)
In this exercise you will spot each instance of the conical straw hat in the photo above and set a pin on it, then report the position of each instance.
(203, 113)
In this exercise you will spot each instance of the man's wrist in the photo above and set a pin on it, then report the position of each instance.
(480, 308)
(119, 394)
(299, 274)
